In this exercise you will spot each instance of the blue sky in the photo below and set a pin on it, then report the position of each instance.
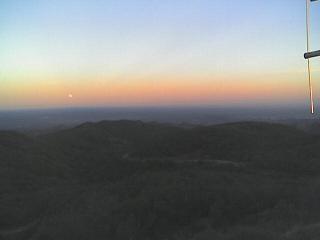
(108, 41)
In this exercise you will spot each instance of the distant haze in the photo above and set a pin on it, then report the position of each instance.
(25, 120)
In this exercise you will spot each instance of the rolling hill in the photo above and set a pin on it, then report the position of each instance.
(136, 180)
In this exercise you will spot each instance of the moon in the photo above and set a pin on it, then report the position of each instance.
(70, 95)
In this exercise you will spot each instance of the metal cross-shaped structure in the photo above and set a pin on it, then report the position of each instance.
(310, 54)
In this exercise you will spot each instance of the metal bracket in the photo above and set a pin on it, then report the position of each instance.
(312, 54)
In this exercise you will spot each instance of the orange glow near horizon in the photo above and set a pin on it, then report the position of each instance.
(148, 90)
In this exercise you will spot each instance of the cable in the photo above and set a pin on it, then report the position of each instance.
(308, 60)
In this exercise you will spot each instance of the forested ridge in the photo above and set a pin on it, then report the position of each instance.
(137, 180)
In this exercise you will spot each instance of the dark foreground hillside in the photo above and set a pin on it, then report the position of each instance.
(134, 180)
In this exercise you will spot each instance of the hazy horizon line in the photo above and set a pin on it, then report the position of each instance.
(160, 106)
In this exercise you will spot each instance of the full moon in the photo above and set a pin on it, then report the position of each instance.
(70, 95)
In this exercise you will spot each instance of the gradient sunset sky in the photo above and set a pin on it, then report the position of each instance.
(65, 53)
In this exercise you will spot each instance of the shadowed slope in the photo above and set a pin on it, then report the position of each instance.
(135, 180)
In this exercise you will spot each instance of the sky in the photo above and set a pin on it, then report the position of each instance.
(57, 53)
